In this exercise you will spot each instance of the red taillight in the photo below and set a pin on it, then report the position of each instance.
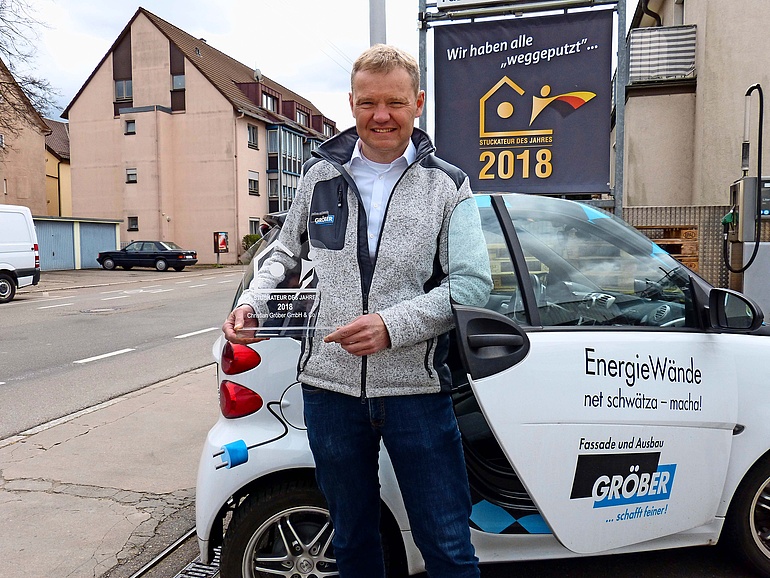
(238, 358)
(237, 401)
(37, 256)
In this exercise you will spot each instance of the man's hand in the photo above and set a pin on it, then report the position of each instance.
(365, 335)
(239, 325)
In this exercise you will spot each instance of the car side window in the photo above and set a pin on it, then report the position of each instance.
(594, 272)
(502, 290)
(133, 247)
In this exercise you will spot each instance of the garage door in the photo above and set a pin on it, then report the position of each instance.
(57, 245)
(95, 237)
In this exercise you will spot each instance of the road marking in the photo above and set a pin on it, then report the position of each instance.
(228, 281)
(57, 305)
(151, 286)
(97, 357)
(201, 285)
(159, 290)
(108, 292)
(208, 278)
(116, 297)
(51, 299)
(185, 281)
(196, 332)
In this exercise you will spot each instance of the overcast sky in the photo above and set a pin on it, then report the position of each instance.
(306, 45)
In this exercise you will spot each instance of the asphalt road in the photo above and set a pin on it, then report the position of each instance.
(65, 350)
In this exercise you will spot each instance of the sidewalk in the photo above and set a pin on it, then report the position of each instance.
(102, 491)
(111, 485)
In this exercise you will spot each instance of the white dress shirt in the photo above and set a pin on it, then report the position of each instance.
(375, 181)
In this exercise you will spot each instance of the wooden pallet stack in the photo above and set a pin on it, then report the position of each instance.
(680, 241)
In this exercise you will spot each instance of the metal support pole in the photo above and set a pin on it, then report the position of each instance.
(377, 22)
(621, 80)
(423, 57)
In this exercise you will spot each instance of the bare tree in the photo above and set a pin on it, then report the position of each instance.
(20, 89)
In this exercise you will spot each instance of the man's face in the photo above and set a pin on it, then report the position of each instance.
(385, 106)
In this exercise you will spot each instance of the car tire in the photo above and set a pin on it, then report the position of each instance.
(179, 268)
(7, 288)
(161, 265)
(747, 527)
(108, 264)
(255, 528)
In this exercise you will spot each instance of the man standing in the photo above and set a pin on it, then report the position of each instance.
(375, 206)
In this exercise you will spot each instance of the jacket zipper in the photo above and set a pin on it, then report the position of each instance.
(364, 359)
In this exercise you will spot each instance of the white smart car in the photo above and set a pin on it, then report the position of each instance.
(609, 400)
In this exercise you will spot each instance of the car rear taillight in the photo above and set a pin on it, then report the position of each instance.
(237, 401)
(37, 256)
(238, 358)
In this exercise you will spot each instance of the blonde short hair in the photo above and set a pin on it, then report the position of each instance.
(385, 58)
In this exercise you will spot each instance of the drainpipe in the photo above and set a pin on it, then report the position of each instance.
(654, 15)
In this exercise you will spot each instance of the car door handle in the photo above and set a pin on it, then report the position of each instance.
(495, 339)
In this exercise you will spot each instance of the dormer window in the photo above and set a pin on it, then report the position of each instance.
(269, 102)
(303, 118)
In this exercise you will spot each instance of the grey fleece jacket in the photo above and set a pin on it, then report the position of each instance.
(406, 283)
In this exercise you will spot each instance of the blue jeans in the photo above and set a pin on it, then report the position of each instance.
(423, 442)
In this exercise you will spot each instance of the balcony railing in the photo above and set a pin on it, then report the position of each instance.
(662, 53)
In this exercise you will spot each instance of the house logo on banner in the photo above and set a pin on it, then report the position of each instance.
(542, 89)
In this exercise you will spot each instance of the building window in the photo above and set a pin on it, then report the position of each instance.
(131, 176)
(328, 130)
(130, 127)
(253, 137)
(254, 226)
(269, 102)
(303, 118)
(272, 141)
(177, 82)
(124, 90)
(2, 141)
(253, 183)
(133, 223)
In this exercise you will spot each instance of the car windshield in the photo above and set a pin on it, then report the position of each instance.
(585, 266)
(171, 246)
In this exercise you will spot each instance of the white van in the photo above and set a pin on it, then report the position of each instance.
(19, 252)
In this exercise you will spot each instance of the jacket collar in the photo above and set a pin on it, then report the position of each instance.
(339, 149)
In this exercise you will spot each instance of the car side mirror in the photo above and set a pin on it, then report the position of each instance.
(733, 311)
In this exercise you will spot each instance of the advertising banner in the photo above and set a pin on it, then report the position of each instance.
(523, 105)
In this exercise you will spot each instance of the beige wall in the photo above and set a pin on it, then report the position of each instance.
(58, 186)
(22, 170)
(192, 166)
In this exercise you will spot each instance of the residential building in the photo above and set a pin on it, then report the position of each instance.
(58, 184)
(181, 141)
(691, 62)
(22, 148)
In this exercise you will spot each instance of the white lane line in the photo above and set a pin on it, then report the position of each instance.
(52, 306)
(52, 299)
(117, 297)
(185, 281)
(160, 290)
(201, 285)
(151, 286)
(208, 278)
(196, 332)
(97, 357)
(228, 281)
(108, 292)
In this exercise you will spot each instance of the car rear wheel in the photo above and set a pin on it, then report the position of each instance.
(285, 530)
(178, 267)
(7, 288)
(161, 265)
(108, 264)
(747, 528)
(282, 531)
